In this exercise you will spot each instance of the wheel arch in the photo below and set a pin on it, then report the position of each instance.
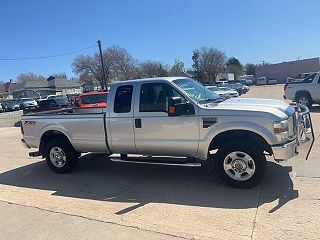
(48, 136)
(239, 135)
(302, 92)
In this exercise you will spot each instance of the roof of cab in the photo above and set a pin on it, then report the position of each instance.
(170, 79)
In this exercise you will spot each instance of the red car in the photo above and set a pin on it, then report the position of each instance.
(92, 100)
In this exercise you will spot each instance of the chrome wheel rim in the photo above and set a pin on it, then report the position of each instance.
(58, 157)
(304, 101)
(239, 166)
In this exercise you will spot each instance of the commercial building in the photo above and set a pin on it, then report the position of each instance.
(292, 69)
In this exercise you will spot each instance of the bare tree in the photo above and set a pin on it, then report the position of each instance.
(25, 77)
(118, 63)
(151, 69)
(89, 69)
(211, 62)
(123, 65)
(59, 75)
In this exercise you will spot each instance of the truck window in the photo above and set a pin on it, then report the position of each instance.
(122, 102)
(310, 78)
(154, 97)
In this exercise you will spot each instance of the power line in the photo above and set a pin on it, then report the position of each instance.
(44, 57)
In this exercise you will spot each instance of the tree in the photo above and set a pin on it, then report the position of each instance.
(211, 62)
(151, 69)
(118, 63)
(59, 75)
(234, 66)
(196, 66)
(250, 69)
(177, 68)
(89, 69)
(26, 77)
(123, 65)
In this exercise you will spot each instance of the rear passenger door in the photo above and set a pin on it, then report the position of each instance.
(120, 127)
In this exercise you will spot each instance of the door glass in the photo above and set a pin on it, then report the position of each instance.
(122, 102)
(154, 97)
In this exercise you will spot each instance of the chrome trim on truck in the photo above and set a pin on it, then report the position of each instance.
(304, 132)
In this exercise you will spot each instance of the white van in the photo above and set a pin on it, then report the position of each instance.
(261, 81)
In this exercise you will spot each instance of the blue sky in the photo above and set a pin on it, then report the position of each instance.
(163, 30)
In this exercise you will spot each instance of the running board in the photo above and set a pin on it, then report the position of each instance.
(167, 163)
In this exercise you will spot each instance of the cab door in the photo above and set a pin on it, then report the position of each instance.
(120, 128)
(155, 132)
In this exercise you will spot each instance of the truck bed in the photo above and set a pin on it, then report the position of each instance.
(85, 129)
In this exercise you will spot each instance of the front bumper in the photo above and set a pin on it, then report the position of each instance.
(304, 141)
(285, 151)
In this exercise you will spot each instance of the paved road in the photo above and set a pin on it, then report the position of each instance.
(107, 200)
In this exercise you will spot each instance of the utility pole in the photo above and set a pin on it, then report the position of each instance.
(102, 64)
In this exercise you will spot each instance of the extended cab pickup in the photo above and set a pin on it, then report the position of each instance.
(175, 117)
(306, 92)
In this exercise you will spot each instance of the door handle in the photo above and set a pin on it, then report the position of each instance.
(137, 123)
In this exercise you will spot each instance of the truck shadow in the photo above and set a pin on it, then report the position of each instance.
(98, 178)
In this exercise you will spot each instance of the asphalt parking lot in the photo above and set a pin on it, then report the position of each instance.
(108, 200)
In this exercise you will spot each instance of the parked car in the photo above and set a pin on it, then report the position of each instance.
(306, 92)
(176, 117)
(272, 81)
(261, 81)
(49, 104)
(27, 103)
(240, 88)
(229, 91)
(10, 105)
(93, 100)
(219, 92)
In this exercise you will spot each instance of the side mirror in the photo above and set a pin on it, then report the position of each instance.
(178, 108)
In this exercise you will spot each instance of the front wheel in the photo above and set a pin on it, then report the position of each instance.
(240, 165)
(61, 156)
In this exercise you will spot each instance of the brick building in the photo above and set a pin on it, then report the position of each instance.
(280, 71)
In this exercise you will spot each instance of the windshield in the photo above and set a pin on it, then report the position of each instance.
(196, 91)
(62, 100)
(92, 99)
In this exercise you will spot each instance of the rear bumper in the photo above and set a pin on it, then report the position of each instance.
(25, 144)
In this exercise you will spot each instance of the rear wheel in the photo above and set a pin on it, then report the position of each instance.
(60, 155)
(304, 99)
(240, 165)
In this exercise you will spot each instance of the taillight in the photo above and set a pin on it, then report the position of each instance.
(285, 86)
(21, 127)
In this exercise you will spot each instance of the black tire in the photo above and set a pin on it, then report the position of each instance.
(251, 150)
(304, 99)
(70, 155)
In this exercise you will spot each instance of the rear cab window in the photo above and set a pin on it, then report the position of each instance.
(123, 99)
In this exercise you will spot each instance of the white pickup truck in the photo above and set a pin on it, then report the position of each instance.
(306, 92)
(175, 117)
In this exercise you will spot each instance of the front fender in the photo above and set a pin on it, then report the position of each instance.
(221, 127)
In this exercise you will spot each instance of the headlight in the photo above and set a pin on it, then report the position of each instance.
(281, 130)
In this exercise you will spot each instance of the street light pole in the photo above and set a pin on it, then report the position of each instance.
(104, 85)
